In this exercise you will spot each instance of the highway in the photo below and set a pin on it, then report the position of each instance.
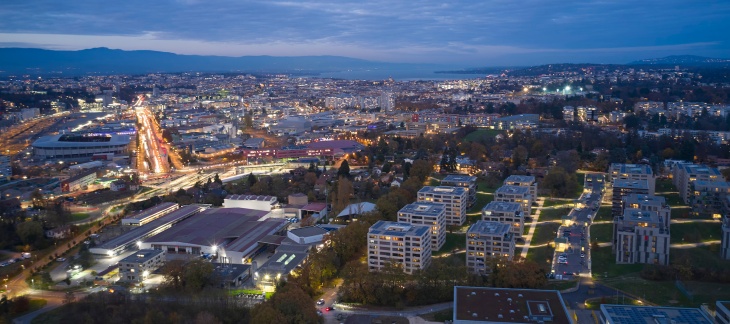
(150, 140)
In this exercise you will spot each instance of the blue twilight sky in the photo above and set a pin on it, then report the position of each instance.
(469, 33)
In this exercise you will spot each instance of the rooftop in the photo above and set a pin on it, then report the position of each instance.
(459, 178)
(151, 211)
(488, 227)
(519, 178)
(423, 208)
(397, 229)
(308, 231)
(502, 206)
(458, 191)
(626, 314)
(509, 305)
(507, 189)
(272, 199)
(631, 184)
(141, 256)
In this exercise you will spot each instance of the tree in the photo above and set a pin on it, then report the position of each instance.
(248, 121)
(344, 170)
(342, 195)
(30, 232)
(251, 180)
(421, 170)
(217, 179)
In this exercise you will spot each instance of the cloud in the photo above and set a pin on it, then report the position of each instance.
(375, 29)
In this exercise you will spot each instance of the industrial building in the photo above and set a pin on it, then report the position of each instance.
(454, 198)
(231, 235)
(134, 237)
(430, 214)
(406, 245)
(139, 265)
(79, 147)
(279, 266)
(78, 182)
(150, 214)
(509, 213)
(486, 240)
(265, 203)
(509, 305)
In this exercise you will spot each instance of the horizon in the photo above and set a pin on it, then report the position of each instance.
(485, 34)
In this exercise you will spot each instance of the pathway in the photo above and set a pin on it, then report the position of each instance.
(676, 245)
(533, 225)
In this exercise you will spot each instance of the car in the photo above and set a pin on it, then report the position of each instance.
(329, 308)
(320, 302)
(61, 259)
(582, 255)
(319, 312)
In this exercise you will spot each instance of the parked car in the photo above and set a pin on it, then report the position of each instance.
(320, 302)
(61, 259)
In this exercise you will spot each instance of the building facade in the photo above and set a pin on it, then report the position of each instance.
(486, 240)
(641, 237)
(523, 181)
(405, 245)
(454, 199)
(623, 188)
(138, 266)
(505, 213)
(684, 175)
(725, 251)
(429, 214)
(633, 172)
(465, 181)
(515, 194)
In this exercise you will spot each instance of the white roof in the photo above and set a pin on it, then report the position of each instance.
(357, 209)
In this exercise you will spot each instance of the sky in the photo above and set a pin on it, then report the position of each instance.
(470, 33)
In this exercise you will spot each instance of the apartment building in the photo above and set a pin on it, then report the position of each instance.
(486, 240)
(641, 237)
(5, 169)
(138, 266)
(506, 213)
(633, 172)
(709, 198)
(523, 181)
(686, 174)
(725, 250)
(429, 214)
(453, 198)
(464, 181)
(515, 194)
(656, 204)
(623, 188)
(405, 245)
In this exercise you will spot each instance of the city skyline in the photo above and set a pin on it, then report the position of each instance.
(487, 33)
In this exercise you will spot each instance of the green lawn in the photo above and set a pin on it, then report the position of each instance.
(680, 213)
(482, 200)
(75, 217)
(695, 232)
(234, 292)
(484, 186)
(482, 134)
(601, 233)
(664, 185)
(595, 303)
(603, 264)
(542, 255)
(555, 202)
(553, 214)
(544, 233)
(706, 256)
(673, 199)
(560, 284)
(453, 241)
(603, 214)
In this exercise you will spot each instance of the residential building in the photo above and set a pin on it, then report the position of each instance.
(486, 240)
(722, 312)
(430, 214)
(465, 181)
(139, 265)
(523, 181)
(402, 244)
(623, 188)
(517, 194)
(509, 305)
(454, 198)
(656, 204)
(685, 174)
(618, 314)
(707, 198)
(5, 169)
(725, 251)
(633, 172)
(506, 213)
(568, 113)
(640, 236)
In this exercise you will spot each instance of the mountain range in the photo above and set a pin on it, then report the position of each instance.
(111, 61)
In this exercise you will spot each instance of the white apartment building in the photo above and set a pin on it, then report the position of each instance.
(138, 266)
(633, 172)
(641, 237)
(506, 213)
(623, 188)
(405, 245)
(516, 194)
(684, 175)
(429, 214)
(465, 181)
(455, 200)
(523, 181)
(486, 240)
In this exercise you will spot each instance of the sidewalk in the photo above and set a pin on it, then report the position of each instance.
(533, 225)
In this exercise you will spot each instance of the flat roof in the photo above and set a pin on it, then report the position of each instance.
(286, 258)
(629, 183)
(423, 208)
(503, 206)
(642, 199)
(141, 256)
(627, 314)
(512, 304)
(397, 229)
(151, 211)
(519, 178)
(54, 142)
(315, 206)
(252, 197)
(638, 215)
(508, 189)
(233, 229)
(308, 231)
(489, 227)
(459, 178)
(457, 191)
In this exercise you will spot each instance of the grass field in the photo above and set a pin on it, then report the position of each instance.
(453, 241)
(560, 284)
(75, 217)
(695, 232)
(603, 214)
(542, 255)
(667, 293)
(581, 177)
(680, 213)
(482, 200)
(603, 263)
(706, 256)
(664, 185)
(553, 214)
(544, 233)
(482, 133)
(673, 199)
(601, 233)
(234, 292)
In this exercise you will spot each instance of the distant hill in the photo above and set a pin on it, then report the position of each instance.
(686, 60)
(109, 61)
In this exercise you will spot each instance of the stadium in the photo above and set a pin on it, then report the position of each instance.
(79, 147)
